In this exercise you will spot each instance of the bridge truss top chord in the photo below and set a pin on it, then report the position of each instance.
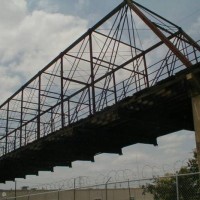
(130, 49)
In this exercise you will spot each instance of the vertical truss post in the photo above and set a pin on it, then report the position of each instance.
(39, 107)
(114, 86)
(52, 121)
(92, 73)
(21, 117)
(7, 120)
(62, 93)
(25, 135)
(163, 38)
(124, 90)
(89, 100)
(146, 71)
(15, 139)
(69, 121)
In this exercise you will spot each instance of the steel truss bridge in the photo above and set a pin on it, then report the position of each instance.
(128, 79)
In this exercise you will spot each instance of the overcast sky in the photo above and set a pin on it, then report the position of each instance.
(33, 32)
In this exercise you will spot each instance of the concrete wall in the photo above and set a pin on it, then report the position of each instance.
(83, 194)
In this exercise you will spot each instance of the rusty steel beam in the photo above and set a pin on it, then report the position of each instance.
(163, 38)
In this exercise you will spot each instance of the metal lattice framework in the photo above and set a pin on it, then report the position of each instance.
(130, 49)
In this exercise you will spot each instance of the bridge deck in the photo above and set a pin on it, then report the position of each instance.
(141, 118)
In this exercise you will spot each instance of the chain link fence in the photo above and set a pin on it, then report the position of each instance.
(171, 187)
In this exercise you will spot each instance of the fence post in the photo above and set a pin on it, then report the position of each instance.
(58, 194)
(177, 187)
(129, 191)
(15, 189)
(74, 188)
(107, 188)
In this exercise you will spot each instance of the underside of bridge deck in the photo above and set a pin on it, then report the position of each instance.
(141, 118)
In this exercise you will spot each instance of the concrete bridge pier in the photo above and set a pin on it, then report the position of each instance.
(196, 118)
(194, 88)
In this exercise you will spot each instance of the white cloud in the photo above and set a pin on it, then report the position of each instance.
(47, 6)
(12, 12)
(194, 29)
(8, 81)
(29, 41)
(82, 4)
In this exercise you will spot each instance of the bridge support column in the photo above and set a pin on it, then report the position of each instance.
(196, 118)
(194, 89)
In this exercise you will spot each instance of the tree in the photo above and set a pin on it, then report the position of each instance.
(188, 184)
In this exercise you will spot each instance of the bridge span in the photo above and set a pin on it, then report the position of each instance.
(132, 77)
